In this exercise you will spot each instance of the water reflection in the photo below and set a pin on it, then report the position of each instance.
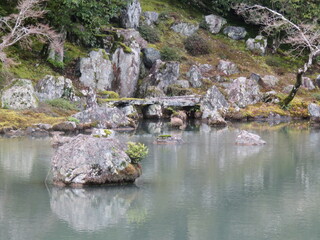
(92, 209)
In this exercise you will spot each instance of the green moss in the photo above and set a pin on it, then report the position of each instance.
(73, 119)
(62, 104)
(165, 136)
(108, 94)
(125, 48)
(107, 132)
(73, 52)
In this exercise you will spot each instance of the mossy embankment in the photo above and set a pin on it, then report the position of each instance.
(32, 64)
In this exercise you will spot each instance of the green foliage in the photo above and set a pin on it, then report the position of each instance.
(56, 64)
(149, 33)
(136, 151)
(107, 132)
(196, 45)
(62, 104)
(73, 119)
(82, 19)
(170, 54)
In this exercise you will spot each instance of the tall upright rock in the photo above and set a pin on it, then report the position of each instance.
(130, 15)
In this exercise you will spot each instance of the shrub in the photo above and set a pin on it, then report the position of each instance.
(150, 34)
(136, 151)
(62, 104)
(170, 54)
(196, 45)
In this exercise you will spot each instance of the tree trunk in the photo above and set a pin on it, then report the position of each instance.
(294, 90)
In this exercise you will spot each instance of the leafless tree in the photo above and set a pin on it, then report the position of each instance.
(19, 27)
(304, 38)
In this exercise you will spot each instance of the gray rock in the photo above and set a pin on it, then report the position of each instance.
(212, 103)
(99, 132)
(243, 92)
(318, 81)
(105, 117)
(153, 111)
(195, 76)
(268, 81)
(51, 87)
(150, 18)
(219, 79)
(154, 92)
(216, 119)
(126, 70)
(227, 67)
(249, 139)
(66, 126)
(91, 160)
(235, 33)
(162, 74)
(130, 111)
(164, 139)
(186, 29)
(130, 16)
(257, 45)
(270, 97)
(150, 56)
(129, 36)
(255, 77)
(287, 89)
(96, 70)
(19, 94)
(183, 83)
(214, 23)
(205, 68)
(307, 83)
(314, 110)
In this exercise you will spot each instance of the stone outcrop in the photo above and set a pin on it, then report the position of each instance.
(212, 104)
(235, 33)
(51, 87)
(150, 56)
(195, 76)
(186, 29)
(178, 119)
(162, 74)
(214, 23)
(103, 117)
(130, 15)
(85, 160)
(227, 67)
(129, 36)
(96, 70)
(318, 81)
(257, 45)
(150, 18)
(249, 139)
(19, 94)
(243, 92)
(126, 67)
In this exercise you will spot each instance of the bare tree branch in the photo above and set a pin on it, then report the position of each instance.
(17, 29)
(302, 37)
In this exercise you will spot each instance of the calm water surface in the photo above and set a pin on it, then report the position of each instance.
(206, 188)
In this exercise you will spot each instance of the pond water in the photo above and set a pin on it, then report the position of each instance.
(205, 188)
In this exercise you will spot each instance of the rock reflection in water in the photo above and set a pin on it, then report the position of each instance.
(91, 209)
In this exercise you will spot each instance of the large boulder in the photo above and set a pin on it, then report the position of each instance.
(186, 29)
(129, 36)
(257, 45)
(318, 81)
(195, 76)
(126, 65)
(268, 81)
(214, 23)
(243, 92)
(19, 94)
(150, 18)
(103, 117)
(130, 15)
(227, 67)
(307, 83)
(150, 56)
(235, 33)
(314, 110)
(96, 70)
(249, 139)
(85, 160)
(51, 87)
(212, 103)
